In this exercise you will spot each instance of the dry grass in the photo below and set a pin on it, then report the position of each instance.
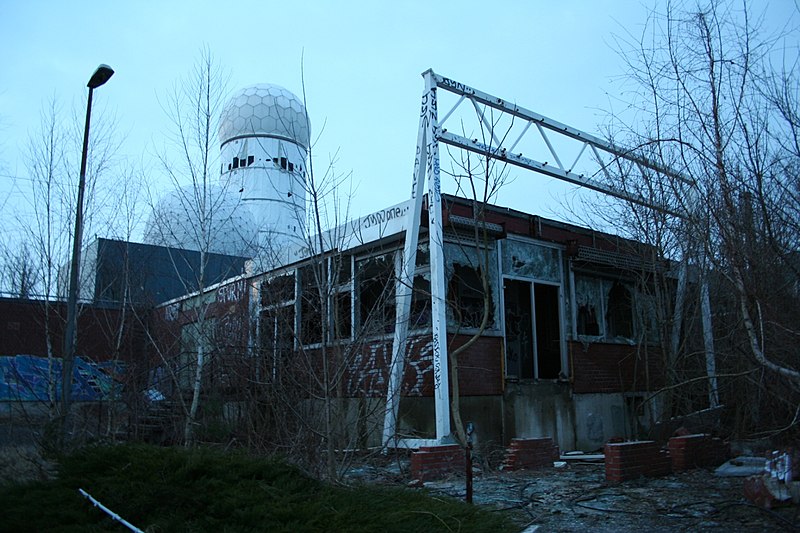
(23, 464)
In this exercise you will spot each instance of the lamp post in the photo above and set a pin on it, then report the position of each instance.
(100, 76)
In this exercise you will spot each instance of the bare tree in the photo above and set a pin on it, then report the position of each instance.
(315, 330)
(470, 300)
(710, 104)
(38, 241)
(192, 220)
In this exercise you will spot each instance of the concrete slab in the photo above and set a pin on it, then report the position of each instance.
(743, 466)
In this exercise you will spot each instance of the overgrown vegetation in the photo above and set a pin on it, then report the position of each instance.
(716, 101)
(173, 489)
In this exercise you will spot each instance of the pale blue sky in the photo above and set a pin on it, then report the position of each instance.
(362, 69)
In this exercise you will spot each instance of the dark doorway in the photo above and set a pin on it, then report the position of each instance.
(548, 331)
(518, 330)
(532, 330)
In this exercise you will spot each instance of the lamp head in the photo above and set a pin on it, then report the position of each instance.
(100, 76)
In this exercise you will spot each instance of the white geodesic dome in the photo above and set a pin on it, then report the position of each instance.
(225, 225)
(265, 109)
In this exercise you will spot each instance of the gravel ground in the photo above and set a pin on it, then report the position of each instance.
(577, 498)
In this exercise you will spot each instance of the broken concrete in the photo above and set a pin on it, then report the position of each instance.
(743, 466)
(577, 498)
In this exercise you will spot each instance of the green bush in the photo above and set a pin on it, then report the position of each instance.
(174, 489)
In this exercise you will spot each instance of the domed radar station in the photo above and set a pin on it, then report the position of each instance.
(264, 136)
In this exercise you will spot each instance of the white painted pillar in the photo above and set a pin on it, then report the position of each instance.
(426, 163)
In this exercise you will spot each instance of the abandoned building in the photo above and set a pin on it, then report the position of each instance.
(569, 346)
(553, 327)
(517, 325)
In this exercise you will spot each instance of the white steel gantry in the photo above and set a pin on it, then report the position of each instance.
(593, 159)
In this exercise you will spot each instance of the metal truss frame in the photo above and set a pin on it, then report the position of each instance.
(592, 151)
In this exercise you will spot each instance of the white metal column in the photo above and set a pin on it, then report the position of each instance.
(426, 163)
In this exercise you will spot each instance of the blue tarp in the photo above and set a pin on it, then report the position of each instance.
(25, 378)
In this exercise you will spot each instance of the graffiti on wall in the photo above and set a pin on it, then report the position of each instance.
(28, 378)
(367, 374)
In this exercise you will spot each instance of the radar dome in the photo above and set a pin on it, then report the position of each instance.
(265, 109)
(230, 228)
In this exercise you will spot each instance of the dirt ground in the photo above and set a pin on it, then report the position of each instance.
(577, 498)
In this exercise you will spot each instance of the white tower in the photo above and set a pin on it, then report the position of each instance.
(264, 137)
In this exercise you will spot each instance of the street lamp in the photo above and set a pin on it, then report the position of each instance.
(100, 76)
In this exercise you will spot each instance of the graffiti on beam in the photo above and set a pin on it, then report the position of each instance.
(376, 225)
(437, 362)
(384, 216)
(456, 86)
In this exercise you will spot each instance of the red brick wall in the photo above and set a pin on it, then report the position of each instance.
(434, 462)
(693, 451)
(630, 460)
(605, 367)
(480, 367)
(531, 453)
(22, 330)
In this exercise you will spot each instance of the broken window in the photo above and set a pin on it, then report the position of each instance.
(423, 255)
(312, 292)
(466, 297)
(465, 266)
(646, 316)
(530, 260)
(375, 279)
(277, 338)
(277, 322)
(277, 290)
(619, 315)
(421, 302)
(341, 311)
(589, 306)
(603, 308)
(587, 320)
(341, 301)
(341, 270)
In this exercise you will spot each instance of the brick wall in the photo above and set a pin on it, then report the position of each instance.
(531, 454)
(22, 330)
(434, 462)
(693, 451)
(607, 367)
(630, 460)
(480, 367)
